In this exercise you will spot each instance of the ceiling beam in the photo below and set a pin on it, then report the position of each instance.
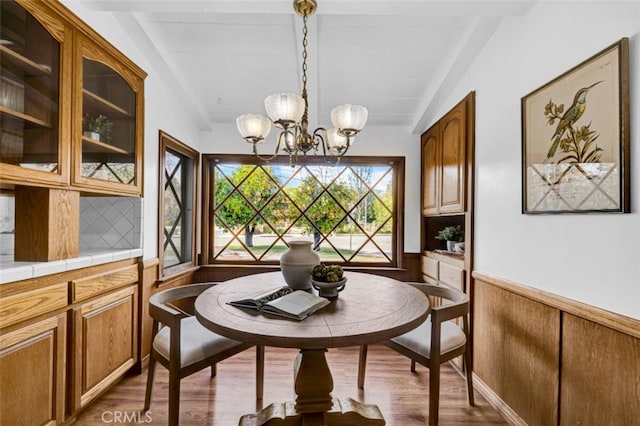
(139, 29)
(450, 73)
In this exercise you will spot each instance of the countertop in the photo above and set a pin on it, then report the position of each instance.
(11, 271)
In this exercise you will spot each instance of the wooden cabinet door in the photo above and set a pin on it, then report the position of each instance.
(105, 343)
(430, 167)
(453, 159)
(32, 367)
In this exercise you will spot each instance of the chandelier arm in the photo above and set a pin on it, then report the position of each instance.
(322, 140)
(268, 158)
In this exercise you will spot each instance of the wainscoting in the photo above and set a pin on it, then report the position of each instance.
(543, 359)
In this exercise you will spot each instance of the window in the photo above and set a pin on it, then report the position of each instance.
(177, 201)
(351, 211)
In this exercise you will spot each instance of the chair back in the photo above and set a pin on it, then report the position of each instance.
(457, 302)
(162, 309)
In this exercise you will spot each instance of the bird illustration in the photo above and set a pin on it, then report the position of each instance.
(572, 115)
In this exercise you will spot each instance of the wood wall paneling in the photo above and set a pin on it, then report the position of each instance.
(516, 351)
(600, 378)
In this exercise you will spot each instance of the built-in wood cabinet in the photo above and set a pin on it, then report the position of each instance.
(447, 149)
(65, 339)
(71, 104)
(444, 164)
(71, 121)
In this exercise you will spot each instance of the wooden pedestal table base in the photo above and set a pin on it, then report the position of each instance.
(314, 404)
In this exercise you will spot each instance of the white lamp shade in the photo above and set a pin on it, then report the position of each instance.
(284, 106)
(349, 117)
(335, 141)
(253, 126)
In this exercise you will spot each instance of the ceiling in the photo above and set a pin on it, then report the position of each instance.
(398, 58)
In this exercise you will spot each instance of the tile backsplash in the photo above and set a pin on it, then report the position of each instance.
(110, 223)
(105, 223)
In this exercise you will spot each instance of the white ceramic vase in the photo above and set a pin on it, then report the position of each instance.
(296, 264)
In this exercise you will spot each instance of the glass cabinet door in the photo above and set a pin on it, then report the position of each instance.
(29, 97)
(108, 125)
(107, 121)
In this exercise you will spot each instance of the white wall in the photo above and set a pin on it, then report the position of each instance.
(163, 111)
(592, 258)
(374, 140)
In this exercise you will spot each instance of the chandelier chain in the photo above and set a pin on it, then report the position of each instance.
(304, 68)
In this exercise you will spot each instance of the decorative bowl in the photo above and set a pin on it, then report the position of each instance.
(329, 290)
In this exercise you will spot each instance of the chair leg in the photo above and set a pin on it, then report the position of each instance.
(469, 374)
(150, 376)
(174, 397)
(362, 365)
(413, 366)
(214, 370)
(434, 393)
(259, 371)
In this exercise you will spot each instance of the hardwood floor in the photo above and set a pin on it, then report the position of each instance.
(402, 396)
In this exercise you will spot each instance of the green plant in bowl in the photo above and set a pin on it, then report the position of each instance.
(328, 279)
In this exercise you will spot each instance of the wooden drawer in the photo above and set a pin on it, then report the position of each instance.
(30, 304)
(85, 288)
(430, 267)
(452, 276)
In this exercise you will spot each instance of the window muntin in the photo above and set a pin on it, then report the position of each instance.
(177, 205)
(349, 210)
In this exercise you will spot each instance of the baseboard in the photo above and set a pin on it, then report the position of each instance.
(497, 403)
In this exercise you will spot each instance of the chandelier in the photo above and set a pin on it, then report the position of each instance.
(289, 113)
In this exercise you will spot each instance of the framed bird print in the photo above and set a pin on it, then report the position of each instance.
(575, 138)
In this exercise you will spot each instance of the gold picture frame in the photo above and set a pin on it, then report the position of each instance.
(575, 138)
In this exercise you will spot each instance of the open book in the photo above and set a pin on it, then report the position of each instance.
(284, 301)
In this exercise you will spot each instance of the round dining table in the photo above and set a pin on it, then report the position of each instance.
(370, 309)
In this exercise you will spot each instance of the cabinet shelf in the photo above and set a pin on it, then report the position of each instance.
(94, 146)
(96, 104)
(23, 63)
(8, 113)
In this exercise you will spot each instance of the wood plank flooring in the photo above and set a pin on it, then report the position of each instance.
(402, 396)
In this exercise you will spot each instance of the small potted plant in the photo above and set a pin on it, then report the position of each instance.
(97, 128)
(452, 235)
